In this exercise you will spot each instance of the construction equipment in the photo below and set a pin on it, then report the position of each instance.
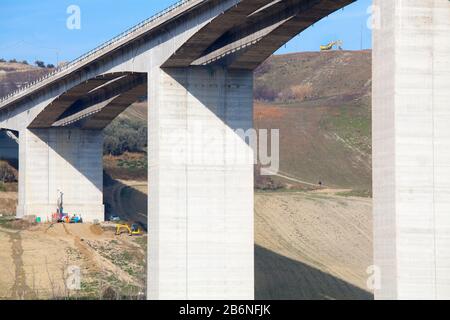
(331, 45)
(65, 218)
(114, 218)
(132, 230)
(76, 219)
(60, 202)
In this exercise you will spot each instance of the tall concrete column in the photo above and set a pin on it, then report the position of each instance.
(201, 184)
(61, 160)
(411, 114)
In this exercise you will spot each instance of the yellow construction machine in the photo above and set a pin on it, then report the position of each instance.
(132, 230)
(331, 45)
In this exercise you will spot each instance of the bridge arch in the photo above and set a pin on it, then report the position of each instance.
(201, 212)
(198, 58)
(102, 97)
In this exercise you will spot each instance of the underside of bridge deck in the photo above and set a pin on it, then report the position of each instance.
(95, 103)
(195, 64)
(247, 34)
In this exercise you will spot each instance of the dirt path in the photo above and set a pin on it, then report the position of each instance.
(285, 176)
(94, 261)
(20, 290)
(7, 266)
(35, 265)
(16, 287)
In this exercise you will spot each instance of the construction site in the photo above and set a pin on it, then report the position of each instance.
(193, 157)
(311, 241)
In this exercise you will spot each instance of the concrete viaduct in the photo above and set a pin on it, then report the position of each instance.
(195, 61)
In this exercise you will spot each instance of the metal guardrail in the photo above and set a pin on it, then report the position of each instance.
(98, 49)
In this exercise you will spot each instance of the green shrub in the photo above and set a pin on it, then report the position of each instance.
(125, 135)
(40, 64)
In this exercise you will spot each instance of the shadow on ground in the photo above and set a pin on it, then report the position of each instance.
(276, 277)
(126, 202)
(281, 278)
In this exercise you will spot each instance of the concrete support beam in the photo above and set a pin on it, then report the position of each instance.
(61, 160)
(193, 49)
(81, 101)
(295, 16)
(201, 184)
(62, 103)
(411, 142)
(100, 115)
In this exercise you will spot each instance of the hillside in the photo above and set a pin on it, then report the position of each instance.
(136, 111)
(312, 245)
(14, 75)
(339, 76)
(321, 102)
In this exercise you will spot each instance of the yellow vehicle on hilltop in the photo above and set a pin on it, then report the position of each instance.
(331, 45)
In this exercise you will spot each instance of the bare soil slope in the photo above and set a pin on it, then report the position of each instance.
(312, 246)
(138, 111)
(14, 75)
(34, 261)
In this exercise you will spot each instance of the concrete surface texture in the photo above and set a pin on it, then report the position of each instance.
(411, 149)
(52, 161)
(201, 190)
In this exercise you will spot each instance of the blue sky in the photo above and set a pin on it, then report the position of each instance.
(36, 30)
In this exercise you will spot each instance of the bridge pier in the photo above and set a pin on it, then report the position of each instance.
(61, 160)
(200, 184)
(411, 149)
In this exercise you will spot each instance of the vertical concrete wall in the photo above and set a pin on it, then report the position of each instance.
(383, 105)
(61, 160)
(411, 115)
(201, 185)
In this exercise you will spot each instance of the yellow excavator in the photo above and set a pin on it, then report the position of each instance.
(132, 230)
(331, 45)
